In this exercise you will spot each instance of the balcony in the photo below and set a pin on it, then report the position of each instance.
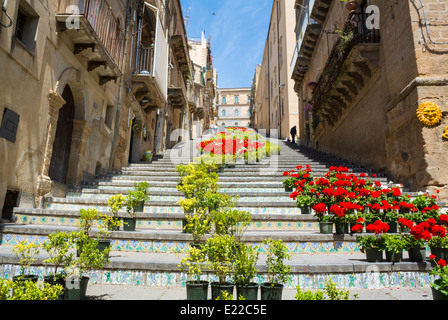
(192, 99)
(308, 30)
(180, 49)
(353, 61)
(150, 63)
(98, 37)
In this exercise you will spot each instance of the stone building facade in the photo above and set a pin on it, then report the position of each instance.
(203, 102)
(361, 74)
(276, 105)
(233, 107)
(87, 87)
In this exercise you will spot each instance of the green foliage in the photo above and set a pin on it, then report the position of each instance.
(116, 203)
(220, 251)
(231, 222)
(245, 261)
(277, 253)
(331, 292)
(194, 264)
(90, 257)
(309, 295)
(88, 217)
(137, 197)
(393, 243)
(58, 246)
(29, 291)
(198, 224)
(370, 242)
(26, 252)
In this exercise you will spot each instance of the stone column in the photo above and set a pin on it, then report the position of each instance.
(44, 183)
(81, 132)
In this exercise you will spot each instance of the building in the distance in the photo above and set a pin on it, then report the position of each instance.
(276, 103)
(234, 107)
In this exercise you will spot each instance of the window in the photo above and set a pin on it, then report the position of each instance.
(224, 100)
(109, 116)
(237, 99)
(223, 113)
(237, 113)
(26, 26)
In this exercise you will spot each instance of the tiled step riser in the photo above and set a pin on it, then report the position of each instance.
(104, 192)
(174, 246)
(306, 280)
(180, 196)
(174, 224)
(290, 210)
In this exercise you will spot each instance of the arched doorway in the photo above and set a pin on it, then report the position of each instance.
(63, 139)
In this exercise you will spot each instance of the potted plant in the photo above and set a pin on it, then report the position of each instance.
(89, 217)
(220, 251)
(245, 271)
(115, 203)
(373, 245)
(325, 223)
(193, 265)
(90, 258)
(416, 247)
(305, 202)
(340, 219)
(289, 183)
(277, 271)
(198, 224)
(438, 242)
(231, 222)
(58, 246)
(27, 253)
(135, 203)
(393, 244)
(440, 285)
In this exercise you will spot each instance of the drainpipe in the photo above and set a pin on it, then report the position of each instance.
(4, 8)
(121, 88)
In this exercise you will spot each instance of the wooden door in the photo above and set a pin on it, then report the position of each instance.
(63, 139)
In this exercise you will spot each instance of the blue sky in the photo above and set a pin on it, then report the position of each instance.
(237, 32)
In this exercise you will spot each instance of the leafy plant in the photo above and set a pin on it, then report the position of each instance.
(58, 246)
(231, 222)
(331, 292)
(188, 205)
(371, 242)
(137, 197)
(277, 253)
(440, 273)
(393, 243)
(220, 251)
(26, 252)
(193, 265)
(305, 201)
(245, 262)
(29, 291)
(116, 203)
(198, 224)
(90, 257)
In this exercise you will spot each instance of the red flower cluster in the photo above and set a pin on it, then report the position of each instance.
(427, 230)
(320, 208)
(228, 146)
(406, 223)
(378, 227)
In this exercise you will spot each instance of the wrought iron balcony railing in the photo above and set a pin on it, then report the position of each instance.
(103, 22)
(353, 34)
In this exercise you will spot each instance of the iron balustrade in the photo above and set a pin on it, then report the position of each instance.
(354, 33)
(103, 21)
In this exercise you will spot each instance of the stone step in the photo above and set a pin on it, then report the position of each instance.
(348, 270)
(167, 220)
(174, 241)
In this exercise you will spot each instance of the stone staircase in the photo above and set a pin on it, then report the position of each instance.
(150, 255)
